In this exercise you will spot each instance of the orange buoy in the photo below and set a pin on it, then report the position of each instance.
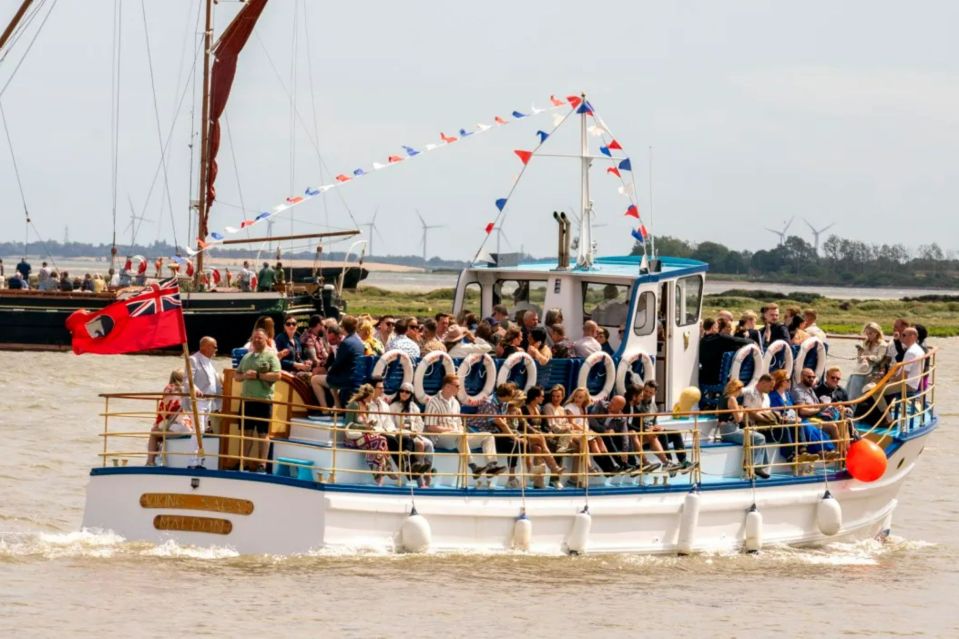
(866, 461)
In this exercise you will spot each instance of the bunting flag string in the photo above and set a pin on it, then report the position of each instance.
(409, 152)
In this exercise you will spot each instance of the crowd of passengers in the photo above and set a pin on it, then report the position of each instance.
(543, 426)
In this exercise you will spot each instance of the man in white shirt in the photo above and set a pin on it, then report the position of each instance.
(402, 340)
(809, 325)
(588, 344)
(911, 372)
(445, 427)
(206, 381)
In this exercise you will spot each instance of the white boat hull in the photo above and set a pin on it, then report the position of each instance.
(290, 517)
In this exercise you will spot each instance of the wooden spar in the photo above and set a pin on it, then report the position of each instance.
(13, 23)
(283, 238)
(202, 203)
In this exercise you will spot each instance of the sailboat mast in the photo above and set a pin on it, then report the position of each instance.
(203, 203)
(14, 22)
(584, 256)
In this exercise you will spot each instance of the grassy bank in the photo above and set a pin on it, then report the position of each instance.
(835, 316)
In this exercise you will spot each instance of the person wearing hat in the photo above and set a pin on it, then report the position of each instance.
(460, 342)
(408, 421)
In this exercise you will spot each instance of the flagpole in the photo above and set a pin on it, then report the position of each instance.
(189, 375)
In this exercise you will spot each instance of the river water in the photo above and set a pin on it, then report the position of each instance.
(56, 580)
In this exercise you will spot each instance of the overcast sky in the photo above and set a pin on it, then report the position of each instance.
(757, 112)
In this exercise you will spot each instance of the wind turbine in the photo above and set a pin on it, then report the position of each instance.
(816, 233)
(133, 227)
(782, 233)
(371, 228)
(426, 227)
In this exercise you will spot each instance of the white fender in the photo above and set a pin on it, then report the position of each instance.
(626, 366)
(688, 520)
(588, 364)
(828, 515)
(415, 533)
(578, 536)
(754, 530)
(750, 350)
(773, 350)
(464, 370)
(808, 344)
(522, 532)
(425, 364)
(512, 361)
(379, 369)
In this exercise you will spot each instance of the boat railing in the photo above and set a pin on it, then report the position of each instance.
(564, 439)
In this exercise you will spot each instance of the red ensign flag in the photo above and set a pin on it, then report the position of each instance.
(152, 319)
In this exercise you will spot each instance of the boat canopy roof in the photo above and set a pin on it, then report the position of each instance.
(624, 266)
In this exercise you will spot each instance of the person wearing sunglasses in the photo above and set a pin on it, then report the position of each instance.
(384, 329)
(409, 422)
(407, 333)
(290, 351)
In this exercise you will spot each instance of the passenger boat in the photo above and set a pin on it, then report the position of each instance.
(319, 495)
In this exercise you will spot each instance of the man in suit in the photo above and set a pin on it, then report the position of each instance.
(340, 374)
(711, 349)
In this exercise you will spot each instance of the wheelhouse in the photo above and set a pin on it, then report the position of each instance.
(653, 310)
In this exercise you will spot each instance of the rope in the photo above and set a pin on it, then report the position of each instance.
(16, 172)
(29, 47)
(316, 127)
(156, 116)
(115, 120)
(501, 216)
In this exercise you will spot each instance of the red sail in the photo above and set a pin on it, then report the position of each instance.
(226, 51)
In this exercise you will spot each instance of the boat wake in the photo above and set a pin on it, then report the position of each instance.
(25, 546)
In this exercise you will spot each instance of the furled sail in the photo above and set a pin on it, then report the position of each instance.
(225, 52)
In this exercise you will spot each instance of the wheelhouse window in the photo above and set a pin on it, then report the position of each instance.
(472, 297)
(644, 321)
(689, 298)
(520, 296)
(606, 304)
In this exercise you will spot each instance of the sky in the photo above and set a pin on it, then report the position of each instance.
(738, 115)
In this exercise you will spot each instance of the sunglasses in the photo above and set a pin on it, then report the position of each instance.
(291, 323)
(406, 391)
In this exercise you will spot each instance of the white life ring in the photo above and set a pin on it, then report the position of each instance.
(626, 366)
(379, 369)
(466, 365)
(424, 366)
(588, 364)
(773, 350)
(750, 350)
(512, 361)
(808, 344)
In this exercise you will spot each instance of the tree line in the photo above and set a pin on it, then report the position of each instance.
(840, 262)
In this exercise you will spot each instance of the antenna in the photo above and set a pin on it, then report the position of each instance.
(817, 233)
(782, 233)
(426, 227)
(371, 228)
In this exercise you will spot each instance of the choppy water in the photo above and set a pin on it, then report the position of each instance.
(58, 581)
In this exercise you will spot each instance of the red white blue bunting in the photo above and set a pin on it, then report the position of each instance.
(408, 153)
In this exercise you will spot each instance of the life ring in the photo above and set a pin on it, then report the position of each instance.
(466, 365)
(626, 367)
(387, 358)
(773, 351)
(808, 344)
(750, 350)
(426, 364)
(512, 361)
(212, 276)
(611, 376)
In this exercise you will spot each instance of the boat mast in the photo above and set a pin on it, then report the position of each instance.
(203, 204)
(584, 256)
(14, 22)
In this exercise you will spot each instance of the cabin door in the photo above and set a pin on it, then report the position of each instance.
(684, 303)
